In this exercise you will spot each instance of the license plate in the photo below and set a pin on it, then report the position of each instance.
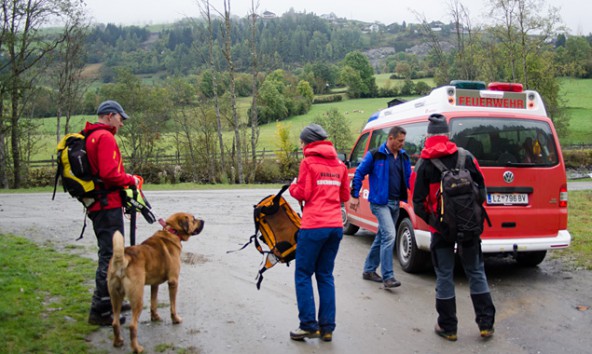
(507, 199)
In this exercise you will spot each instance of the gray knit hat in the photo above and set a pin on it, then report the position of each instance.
(437, 124)
(313, 132)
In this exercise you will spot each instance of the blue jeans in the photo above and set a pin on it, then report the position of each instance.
(443, 257)
(316, 252)
(381, 251)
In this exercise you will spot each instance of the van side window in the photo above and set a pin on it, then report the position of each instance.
(414, 140)
(416, 136)
(357, 154)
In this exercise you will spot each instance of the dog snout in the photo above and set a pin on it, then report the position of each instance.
(200, 226)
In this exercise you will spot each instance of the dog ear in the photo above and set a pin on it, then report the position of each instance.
(184, 224)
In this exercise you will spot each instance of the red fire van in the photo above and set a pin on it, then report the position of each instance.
(507, 129)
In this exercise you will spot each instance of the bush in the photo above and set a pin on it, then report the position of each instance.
(268, 171)
(40, 177)
(328, 99)
(577, 158)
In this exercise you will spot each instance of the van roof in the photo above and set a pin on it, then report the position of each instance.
(452, 99)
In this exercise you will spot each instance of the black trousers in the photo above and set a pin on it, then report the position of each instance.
(105, 223)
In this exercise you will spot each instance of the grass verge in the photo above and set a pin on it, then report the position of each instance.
(45, 298)
(579, 226)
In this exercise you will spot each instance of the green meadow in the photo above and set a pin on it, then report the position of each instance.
(576, 94)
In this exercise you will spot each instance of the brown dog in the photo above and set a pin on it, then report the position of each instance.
(154, 261)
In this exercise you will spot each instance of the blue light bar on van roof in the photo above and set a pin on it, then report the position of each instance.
(373, 116)
(469, 85)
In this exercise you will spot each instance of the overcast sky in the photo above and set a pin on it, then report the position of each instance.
(576, 14)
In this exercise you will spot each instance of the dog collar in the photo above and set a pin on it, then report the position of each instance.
(167, 228)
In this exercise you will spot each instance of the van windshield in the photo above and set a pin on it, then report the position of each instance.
(506, 141)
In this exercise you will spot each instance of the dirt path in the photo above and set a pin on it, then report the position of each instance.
(539, 310)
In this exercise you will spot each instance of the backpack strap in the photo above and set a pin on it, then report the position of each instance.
(460, 161)
(439, 165)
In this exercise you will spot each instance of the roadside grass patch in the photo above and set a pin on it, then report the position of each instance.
(45, 298)
(579, 226)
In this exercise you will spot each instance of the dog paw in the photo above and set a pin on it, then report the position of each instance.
(138, 349)
(176, 319)
(118, 343)
(155, 317)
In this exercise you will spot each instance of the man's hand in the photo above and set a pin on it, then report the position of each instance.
(136, 179)
(354, 203)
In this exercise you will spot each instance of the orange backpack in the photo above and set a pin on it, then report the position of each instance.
(277, 226)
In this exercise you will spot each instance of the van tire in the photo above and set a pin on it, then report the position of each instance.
(411, 258)
(530, 259)
(348, 228)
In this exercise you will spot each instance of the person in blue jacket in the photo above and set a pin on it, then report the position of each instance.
(389, 169)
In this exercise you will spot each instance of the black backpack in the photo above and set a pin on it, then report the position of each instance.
(460, 210)
(276, 226)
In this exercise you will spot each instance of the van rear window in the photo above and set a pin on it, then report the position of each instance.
(505, 141)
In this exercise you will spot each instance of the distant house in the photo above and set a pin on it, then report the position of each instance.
(269, 14)
(394, 102)
(329, 17)
(372, 28)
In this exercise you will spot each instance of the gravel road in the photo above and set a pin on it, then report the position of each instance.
(547, 309)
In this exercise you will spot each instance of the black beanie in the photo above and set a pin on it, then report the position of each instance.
(313, 132)
(437, 124)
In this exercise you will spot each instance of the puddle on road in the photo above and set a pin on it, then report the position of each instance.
(193, 258)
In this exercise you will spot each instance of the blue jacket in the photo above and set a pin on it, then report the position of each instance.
(377, 166)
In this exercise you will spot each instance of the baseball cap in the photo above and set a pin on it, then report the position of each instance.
(111, 106)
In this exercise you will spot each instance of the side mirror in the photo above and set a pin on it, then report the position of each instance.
(343, 157)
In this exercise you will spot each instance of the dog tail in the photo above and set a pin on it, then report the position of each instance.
(119, 261)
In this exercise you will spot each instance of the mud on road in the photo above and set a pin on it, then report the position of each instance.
(546, 309)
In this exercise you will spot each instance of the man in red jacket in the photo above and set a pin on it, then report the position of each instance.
(425, 182)
(106, 211)
(322, 185)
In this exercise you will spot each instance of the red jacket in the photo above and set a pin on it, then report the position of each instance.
(106, 163)
(322, 185)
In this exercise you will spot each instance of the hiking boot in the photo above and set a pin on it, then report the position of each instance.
(451, 336)
(326, 336)
(103, 320)
(300, 334)
(391, 283)
(487, 332)
(372, 276)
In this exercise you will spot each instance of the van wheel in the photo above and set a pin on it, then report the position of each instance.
(530, 259)
(348, 228)
(411, 258)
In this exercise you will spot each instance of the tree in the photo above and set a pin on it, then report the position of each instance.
(23, 46)
(525, 34)
(272, 100)
(148, 107)
(212, 65)
(254, 70)
(235, 118)
(358, 72)
(305, 90)
(337, 127)
(467, 43)
(575, 58)
(525, 31)
(67, 70)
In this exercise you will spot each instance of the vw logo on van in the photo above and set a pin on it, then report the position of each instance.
(508, 177)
